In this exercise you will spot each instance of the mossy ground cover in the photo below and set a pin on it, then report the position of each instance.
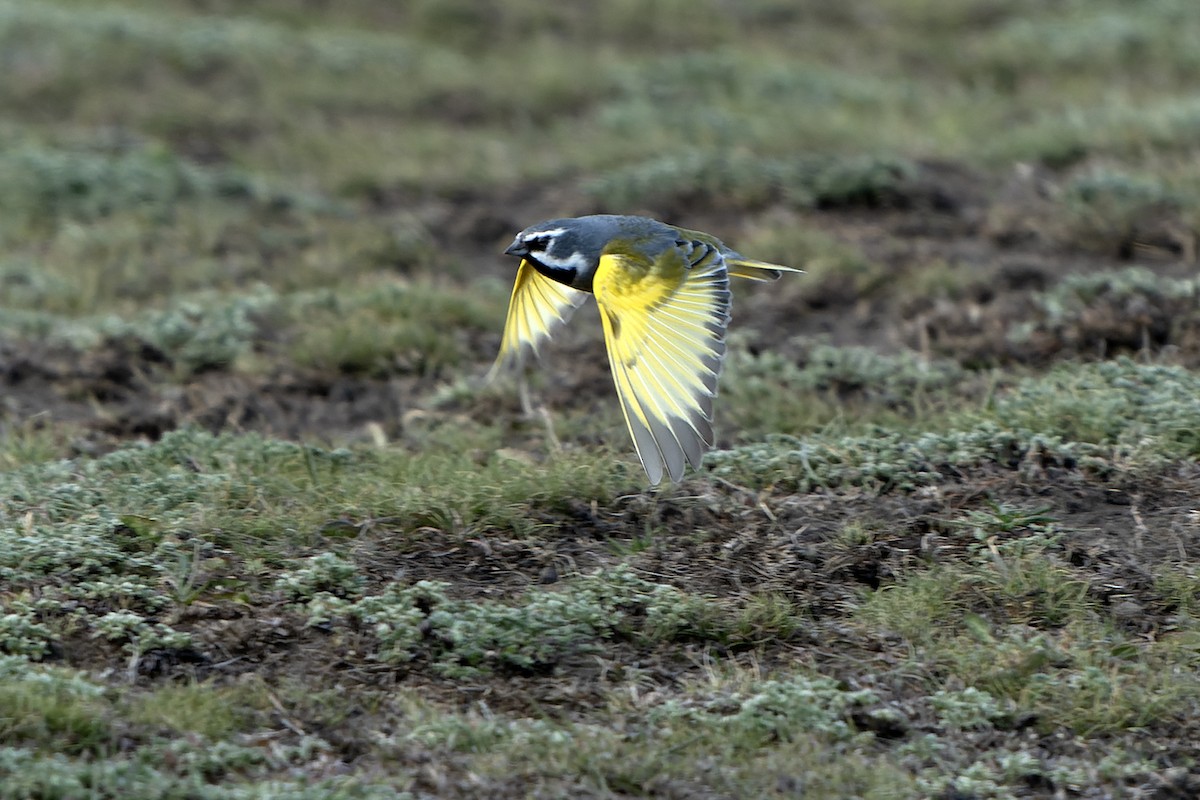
(266, 532)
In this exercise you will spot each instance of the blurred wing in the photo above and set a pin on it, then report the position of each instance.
(664, 324)
(539, 306)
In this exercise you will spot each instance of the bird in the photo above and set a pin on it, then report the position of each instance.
(664, 300)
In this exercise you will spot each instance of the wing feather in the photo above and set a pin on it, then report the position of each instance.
(664, 324)
(539, 306)
(737, 264)
(742, 267)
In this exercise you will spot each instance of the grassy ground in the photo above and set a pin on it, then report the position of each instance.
(265, 532)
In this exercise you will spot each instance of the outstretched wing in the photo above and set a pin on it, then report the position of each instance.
(539, 306)
(664, 324)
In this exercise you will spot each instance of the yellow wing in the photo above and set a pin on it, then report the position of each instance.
(539, 306)
(664, 324)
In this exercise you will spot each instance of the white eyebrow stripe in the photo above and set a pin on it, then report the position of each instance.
(538, 234)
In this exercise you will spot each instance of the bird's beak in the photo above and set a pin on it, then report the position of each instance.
(517, 248)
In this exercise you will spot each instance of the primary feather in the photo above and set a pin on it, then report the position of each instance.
(664, 326)
(539, 306)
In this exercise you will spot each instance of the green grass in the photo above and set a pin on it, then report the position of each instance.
(213, 712)
(380, 325)
(1116, 415)
(759, 79)
(694, 178)
(834, 387)
(246, 486)
(1026, 632)
(1018, 627)
(33, 441)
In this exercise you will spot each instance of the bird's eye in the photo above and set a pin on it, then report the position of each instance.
(537, 243)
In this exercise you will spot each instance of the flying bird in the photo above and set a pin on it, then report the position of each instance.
(664, 300)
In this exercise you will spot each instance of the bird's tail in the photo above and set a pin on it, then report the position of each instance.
(750, 269)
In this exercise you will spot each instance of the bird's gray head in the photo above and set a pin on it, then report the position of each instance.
(567, 250)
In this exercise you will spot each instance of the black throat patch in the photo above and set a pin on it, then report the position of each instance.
(565, 275)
